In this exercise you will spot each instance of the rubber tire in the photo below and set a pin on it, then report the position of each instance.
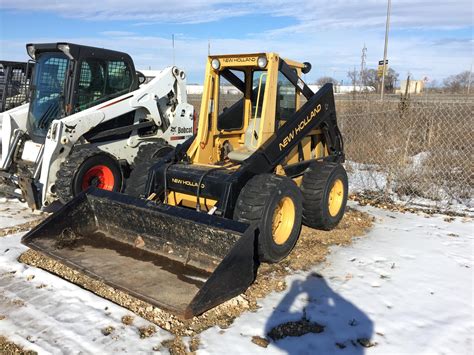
(256, 204)
(146, 157)
(315, 187)
(80, 160)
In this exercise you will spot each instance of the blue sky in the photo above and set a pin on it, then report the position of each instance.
(427, 37)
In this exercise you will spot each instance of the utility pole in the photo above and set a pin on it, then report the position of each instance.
(208, 47)
(387, 27)
(363, 66)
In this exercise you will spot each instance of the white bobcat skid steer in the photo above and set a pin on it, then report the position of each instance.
(90, 116)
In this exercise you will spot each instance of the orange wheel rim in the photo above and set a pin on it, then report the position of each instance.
(100, 176)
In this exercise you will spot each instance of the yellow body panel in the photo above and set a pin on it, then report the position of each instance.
(178, 198)
(210, 141)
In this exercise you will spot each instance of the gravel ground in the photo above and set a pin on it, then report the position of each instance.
(9, 348)
(311, 249)
(24, 227)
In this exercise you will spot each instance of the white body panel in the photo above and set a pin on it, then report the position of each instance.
(64, 133)
(11, 120)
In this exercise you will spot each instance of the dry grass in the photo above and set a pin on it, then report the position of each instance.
(423, 147)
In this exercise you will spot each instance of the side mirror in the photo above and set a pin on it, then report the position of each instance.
(141, 77)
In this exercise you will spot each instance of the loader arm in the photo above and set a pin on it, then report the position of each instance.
(319, 110)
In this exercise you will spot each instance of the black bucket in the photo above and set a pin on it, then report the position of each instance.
(177, 259)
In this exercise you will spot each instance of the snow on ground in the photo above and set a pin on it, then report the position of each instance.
(14, 212)
(371, 177)
(50, 315)
(407, 285)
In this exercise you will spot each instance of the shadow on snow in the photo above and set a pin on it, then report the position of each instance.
(312, 319)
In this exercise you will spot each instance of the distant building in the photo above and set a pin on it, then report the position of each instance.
(414, 87)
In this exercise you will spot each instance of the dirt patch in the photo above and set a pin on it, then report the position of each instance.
(7, 347)
(146, 332)
(260, 341)
(312, 248)
(376, 199)
(127, 320)
(194, 344)
(175, 346)
(67, 239)
(107, 330)
(295, 329)
(24, 227)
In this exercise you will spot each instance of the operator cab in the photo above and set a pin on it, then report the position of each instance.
(69, 78)
(242, 90)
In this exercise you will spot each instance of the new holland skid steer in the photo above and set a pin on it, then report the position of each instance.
(90, 119)
(196, 222)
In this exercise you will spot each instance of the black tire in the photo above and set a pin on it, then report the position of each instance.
(78, 167)
(316, 186)
(258, 202)
(146, 157)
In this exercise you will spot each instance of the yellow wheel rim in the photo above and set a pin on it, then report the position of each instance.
(336, 196)
(283, 220)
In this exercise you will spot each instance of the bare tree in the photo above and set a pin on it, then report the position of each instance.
(391, 79)
(457, 83)
(371, 78)
(326, 79)
(353, 76)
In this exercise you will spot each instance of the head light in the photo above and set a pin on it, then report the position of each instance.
(216, 64)
(307, 67)
(66, 50)
(31, 50)
(262, 62)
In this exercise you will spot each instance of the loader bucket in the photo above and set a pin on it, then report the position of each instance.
(177, 259)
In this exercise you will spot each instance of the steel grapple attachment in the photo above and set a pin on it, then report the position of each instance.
(177, 259)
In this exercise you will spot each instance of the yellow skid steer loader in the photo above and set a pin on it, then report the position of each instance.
(194, 223)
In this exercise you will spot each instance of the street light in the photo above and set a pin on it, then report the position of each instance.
(387, 27)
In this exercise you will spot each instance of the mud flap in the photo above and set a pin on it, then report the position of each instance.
(177, 259)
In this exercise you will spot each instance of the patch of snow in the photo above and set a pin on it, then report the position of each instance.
(407, 286)
(365, 177)
(48, 314)
(419, 159)
(13, 212)
(371, 177)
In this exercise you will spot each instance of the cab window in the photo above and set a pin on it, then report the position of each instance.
(119, 77)
(231, 100)
(101, 80)
(91, 83)
(259, 79)
(286, 98)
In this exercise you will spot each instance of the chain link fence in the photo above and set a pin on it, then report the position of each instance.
(417, 151)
